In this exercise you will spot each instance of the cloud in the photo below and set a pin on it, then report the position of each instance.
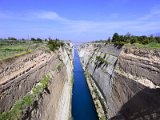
(47, 15)
(32, 15)
(62, 25)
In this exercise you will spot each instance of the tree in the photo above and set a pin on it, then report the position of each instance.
(109, 39)
(39, 40)
(133, 39)
(12, 38)
(33, 39)
(127, 37)
(54, 44)
(115, 37)
(157, 39)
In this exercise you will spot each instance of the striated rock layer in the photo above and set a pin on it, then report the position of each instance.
(128, 78)
(20, 74)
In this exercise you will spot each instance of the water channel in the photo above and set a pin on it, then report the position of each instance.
(82, 104)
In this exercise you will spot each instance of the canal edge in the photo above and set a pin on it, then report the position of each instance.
(95, 93)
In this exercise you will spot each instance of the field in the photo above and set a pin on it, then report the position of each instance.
(10, 48)
(151, 45)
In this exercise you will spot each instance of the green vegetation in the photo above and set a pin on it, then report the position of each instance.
(12, 38)
(59, 57)
(59, 67)
(87, 74)
(22, 53)
(12, 48)
(138, 41)
(15, 112)
(97, 96)
(72, 79)
(101, 60)
(151, 45)
(54, 44)
(37, 40)
(103, 118)
(102, 101)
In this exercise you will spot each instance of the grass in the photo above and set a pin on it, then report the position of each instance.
(22, 53)
(152, 45)
(15, 112)
(9, 49)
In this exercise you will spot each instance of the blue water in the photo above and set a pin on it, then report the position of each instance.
(82, 104)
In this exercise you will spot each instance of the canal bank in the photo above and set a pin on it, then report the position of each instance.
(82, 104)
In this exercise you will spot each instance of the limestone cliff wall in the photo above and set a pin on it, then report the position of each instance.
(128, 78)
(20, 74)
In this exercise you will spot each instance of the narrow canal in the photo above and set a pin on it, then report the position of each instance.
(82, 104)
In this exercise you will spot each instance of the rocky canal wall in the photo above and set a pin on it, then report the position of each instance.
(128, 78)
(19, 75)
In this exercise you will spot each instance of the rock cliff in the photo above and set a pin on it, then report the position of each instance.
(20, 75)
(128, 79)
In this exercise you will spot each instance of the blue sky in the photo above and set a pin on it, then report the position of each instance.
(78, 20)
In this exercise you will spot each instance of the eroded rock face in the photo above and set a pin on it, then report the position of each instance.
(17, 81)
(141, 63)
(139, 69)
(127, 77)
(19, 75)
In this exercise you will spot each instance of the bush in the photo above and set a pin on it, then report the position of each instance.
(59, 67)
(54, 44)
(149, 42)
(38, 40)
(12, 38)
(101, 61)
(26, 101)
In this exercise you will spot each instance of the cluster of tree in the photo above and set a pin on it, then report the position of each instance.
(36, 40)
(128, 38)
(98, 41)
(54, 44)
(10, 42)
(9, 38)
(12, 38)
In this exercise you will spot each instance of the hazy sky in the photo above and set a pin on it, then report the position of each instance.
(78, 20)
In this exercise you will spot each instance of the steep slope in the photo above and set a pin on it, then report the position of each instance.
(20, 76)
(127, 78)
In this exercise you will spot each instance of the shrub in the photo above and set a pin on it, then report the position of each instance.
(59, 67)
(26, 101)
(38, 40)
(120, 40)
(54, 44)
(101, 61)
